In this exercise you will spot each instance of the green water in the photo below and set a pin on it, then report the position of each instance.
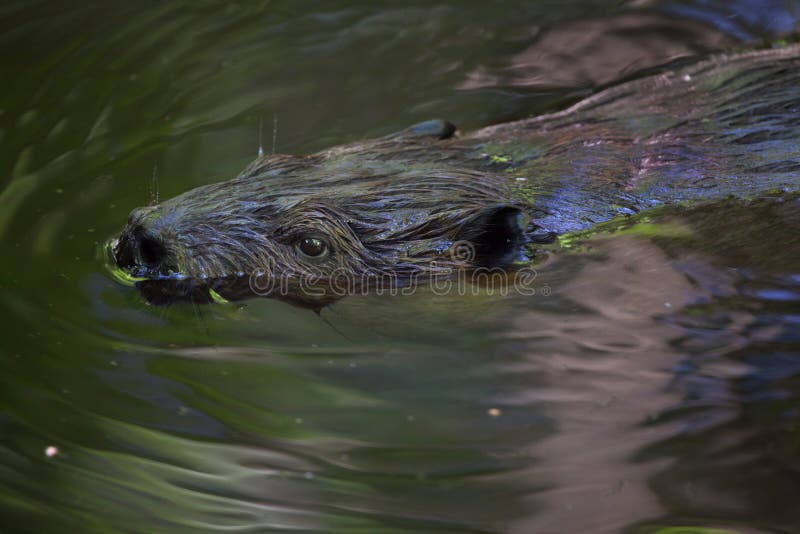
(652, 380)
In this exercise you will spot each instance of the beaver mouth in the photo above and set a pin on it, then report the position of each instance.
(164, 288)
(160, 288)
(165, 292)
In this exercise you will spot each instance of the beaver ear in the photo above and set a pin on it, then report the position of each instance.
(494, 234)
(436, 128)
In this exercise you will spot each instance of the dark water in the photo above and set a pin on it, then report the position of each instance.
(653, 380)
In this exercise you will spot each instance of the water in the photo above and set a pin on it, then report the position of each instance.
(652, 381)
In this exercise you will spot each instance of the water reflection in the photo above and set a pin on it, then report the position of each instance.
(593, 52)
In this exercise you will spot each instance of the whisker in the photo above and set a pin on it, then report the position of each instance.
(201, 318)
(154, 186)
(330, 324)
(274, 132)
(260, 136)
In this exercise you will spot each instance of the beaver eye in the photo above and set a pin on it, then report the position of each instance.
(312, 247)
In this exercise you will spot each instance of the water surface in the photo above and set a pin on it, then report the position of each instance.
(652, 380)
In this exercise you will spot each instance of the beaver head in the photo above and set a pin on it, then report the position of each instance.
(309, 229)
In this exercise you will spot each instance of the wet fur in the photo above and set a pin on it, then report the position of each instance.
(726, 126)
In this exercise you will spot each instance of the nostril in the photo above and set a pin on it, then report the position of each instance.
(151, 251)
(123, 252)
(136, 248)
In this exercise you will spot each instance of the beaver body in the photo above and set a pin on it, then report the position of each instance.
(728, 126)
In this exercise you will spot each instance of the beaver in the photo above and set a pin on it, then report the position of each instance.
(408, 205)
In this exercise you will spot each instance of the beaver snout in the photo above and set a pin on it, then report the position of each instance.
(139, 249)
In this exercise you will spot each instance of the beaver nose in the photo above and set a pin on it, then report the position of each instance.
(139, 248)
